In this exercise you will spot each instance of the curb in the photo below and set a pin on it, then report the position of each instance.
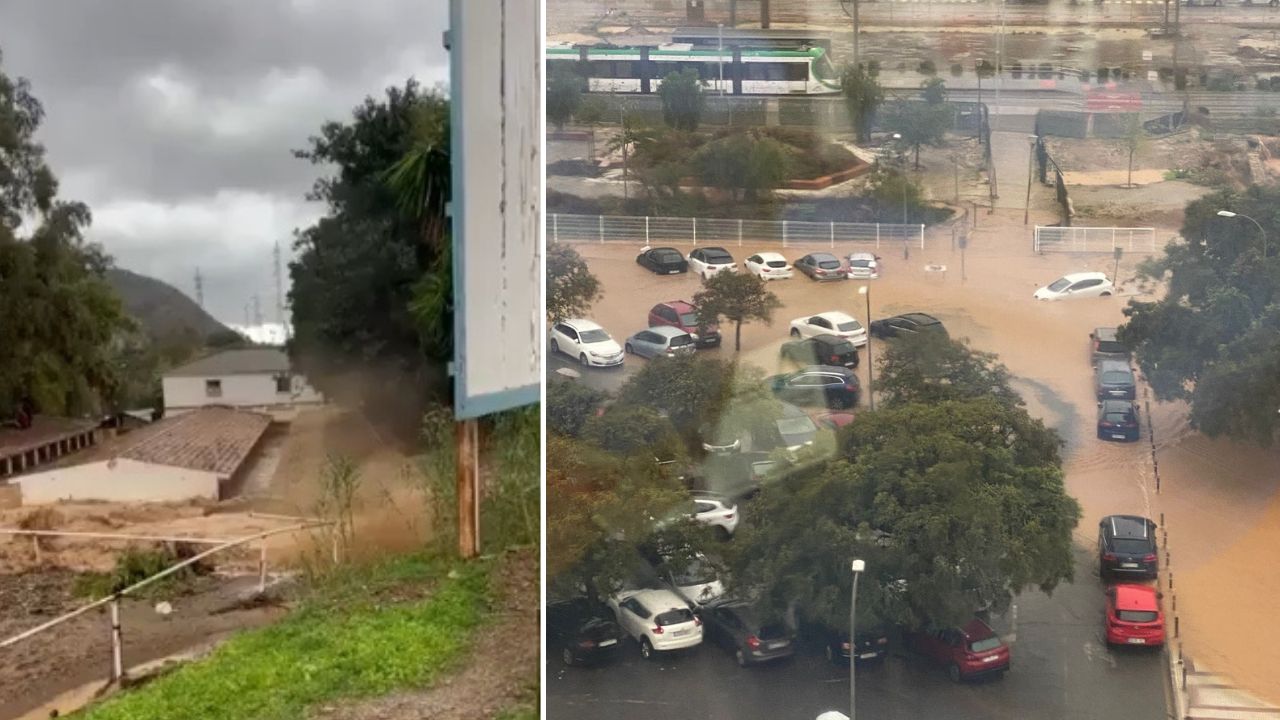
(1176, 677)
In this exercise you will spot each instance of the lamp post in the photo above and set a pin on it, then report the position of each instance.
(865, 290)
(857, 566)
(720, 54)
(1026, 211)
(1229, 214)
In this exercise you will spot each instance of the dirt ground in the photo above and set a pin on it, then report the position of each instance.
(1218, 512)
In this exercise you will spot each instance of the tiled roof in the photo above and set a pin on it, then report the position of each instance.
(249, 361)
(43, 430)
(213, 439)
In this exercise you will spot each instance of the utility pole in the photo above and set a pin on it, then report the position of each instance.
(257, 310)
(764, 14)
(279, 284)
(622, 120)
(1031, 156)
(199, 288)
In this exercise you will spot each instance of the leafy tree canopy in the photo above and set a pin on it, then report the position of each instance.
(746, 164)
(737, 298)
(920, 123)
(862, 96)
(564, 94)
(571, 288)
(570, 404)
(930, 368)
(682, 99)
(1214, 338)
(689, 390)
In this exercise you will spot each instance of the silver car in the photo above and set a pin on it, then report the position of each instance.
(660, 341)
(864, 265)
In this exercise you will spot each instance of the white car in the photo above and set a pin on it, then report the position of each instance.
(586, 341)
(707, 261)
(715, 510)
(698, 583)
(864, 266)
(1077, 285)
(657, 619)
(768, 266)
(830, 323)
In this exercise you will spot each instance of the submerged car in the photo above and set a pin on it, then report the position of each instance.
(832, 322)
(683, 315)
(768, 266)
(662, 260)
(821, 266)
(1134, 616)
(1104, 345)
(1118, 420)
(586, 341)
(707, 261)
(1076, 285)
(660, 341)
(824, 349)
(1114, 379)
(817, 385)
(864, 266)
(907, 324)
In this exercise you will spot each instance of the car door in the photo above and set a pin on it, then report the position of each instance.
(805, 264)
(647, 344)
(805, 390)
(631, 616)
(695, 261)
(754, 262)
(1085, 288)
(717, 625)
(833, 394)
(806, 351)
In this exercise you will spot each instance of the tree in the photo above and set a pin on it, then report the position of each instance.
(1212, 338)
(634, 431)
(689, 390)
(743, 162)
(955, 506)
(682, 100)
(920, 123)
(931, 368)
(570, 404)
(571, 288)
(1133, 140)
(934, 91)
(738, 298)
(564, 94)
(862, 96)
(63, 328)
(894, 193)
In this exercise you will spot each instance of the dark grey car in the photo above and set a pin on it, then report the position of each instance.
(1113, 379)
(742, 630)
(1104, 345)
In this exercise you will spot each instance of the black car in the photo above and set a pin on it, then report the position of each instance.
(871, 645)
(663, 261)
(1127, 546)
(907, 324)
(822, 350)
(742, 630)
(1113, 379)
(818, 385)
(821, 266)
(1103, 345)
(584, 632)
(1118, 420)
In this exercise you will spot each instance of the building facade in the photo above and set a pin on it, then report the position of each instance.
(254, 378)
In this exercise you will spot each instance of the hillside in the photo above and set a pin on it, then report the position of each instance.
(163, 310)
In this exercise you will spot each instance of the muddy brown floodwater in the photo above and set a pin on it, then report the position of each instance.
(1218, 498)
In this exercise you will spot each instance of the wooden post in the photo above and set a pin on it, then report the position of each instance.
(468, 478)
(117, 652)
(262, 567)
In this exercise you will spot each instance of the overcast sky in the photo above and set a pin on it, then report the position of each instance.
(174, 120)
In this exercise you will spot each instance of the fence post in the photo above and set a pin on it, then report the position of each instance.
(35, 545)
(784, 233)
(921, 236)
(739, 232)
(877, 236)
(1113, 239)
(117, 652)
(600, 225)
(695, 231)
(262, 568)
(555, 227)
(646, 230)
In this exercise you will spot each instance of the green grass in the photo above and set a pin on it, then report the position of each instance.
(366, 631)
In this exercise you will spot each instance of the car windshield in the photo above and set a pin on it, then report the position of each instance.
(1059, 285)
(667, 257)
(697, 573)
(990, 643)
(689, 319)
(674, 617)
(1111, 346)
(681, 340)
(849, 326)
(772, 631)
(1116, 377)
(1131, 546)
(861, 262)
(1137, 616)
(1117, 417)
(776, 263)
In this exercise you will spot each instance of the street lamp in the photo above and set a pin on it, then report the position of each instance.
(857, 566)
(1229, 214)
(720, 54)
(865, 290)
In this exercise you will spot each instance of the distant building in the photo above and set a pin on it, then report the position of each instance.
(252, 378)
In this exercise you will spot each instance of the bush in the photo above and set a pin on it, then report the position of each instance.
(873, 68)
(928, 68)
(134, 565)
(957, 69)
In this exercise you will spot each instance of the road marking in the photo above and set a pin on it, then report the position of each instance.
(1093, 652)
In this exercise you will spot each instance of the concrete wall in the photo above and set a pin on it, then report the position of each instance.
(249, 391)
(118, 480)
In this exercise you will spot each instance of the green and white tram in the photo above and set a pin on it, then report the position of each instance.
(745, 71)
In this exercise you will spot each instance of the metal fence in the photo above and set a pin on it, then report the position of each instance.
(719, 231)
(1094, 239)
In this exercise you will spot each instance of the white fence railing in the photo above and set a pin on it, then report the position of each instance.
(1094, 239)
(720, 231)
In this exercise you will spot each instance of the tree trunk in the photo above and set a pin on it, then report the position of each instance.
(917, 156)
(1130, 167)
(737, 337)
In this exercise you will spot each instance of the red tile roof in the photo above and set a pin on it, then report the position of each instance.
(213, 439)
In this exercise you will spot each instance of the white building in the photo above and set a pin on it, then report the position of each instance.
(253, 378)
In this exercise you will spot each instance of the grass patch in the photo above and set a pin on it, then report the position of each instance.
(355, 635)
(525, 709)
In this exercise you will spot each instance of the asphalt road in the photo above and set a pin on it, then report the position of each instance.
(1061, 670)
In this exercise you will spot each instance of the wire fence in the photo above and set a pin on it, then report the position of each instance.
(1094, 239)
(721, 231)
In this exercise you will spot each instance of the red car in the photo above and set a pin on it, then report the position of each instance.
(1134, 616)
(972, 651)
(681, 314)
(832, 419)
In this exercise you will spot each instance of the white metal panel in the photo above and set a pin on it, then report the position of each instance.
(496, 92)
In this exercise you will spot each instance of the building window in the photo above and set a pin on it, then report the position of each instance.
(284, 384)
(213, 388)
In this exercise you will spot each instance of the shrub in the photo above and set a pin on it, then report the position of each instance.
(957, 69)
(928, 68)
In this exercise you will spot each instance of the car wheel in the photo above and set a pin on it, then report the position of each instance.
(567, 656)
(583, 359)
(953, 672)
(628, 349)
(742, 659)
(646, 649)
(555, 346)
(1106, 294)
(795, 333)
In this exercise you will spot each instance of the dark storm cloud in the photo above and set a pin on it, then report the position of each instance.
(175, 120)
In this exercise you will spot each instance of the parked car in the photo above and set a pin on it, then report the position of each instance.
(1134, 616)
(743, 630)
(832, 419)
(821, 266)
(824, 349)
(718, 438)
(1114, 379)
(969, 652)
(584, 632)
(662, 260)
(717, 511)
(1127, 546)
(822, 385)
(864, 266)
(870, 646)
(660, 341)
(768, 266)
(731, 477)
(656, 619)
(907, 324)
(1118, 420)
(697, 583)
(1076, 285)
(681, 314)
(707, 261)
(1103, 345)
(586, 341)
(832, 322)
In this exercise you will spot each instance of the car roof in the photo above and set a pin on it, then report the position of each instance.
(789, 410)
(1105, 333)
(663, 248)
(681, 306)
(862, 256)
(828, 339)
(1128, 526)
(823, 256)
(667, 331)
(1136, 597)
(772, 256)
(657, 600)
(1077, 277)
(920, 318)
(581, 324)
(834, 315)
(975, 630)
(712, 248)
(1114, 365)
